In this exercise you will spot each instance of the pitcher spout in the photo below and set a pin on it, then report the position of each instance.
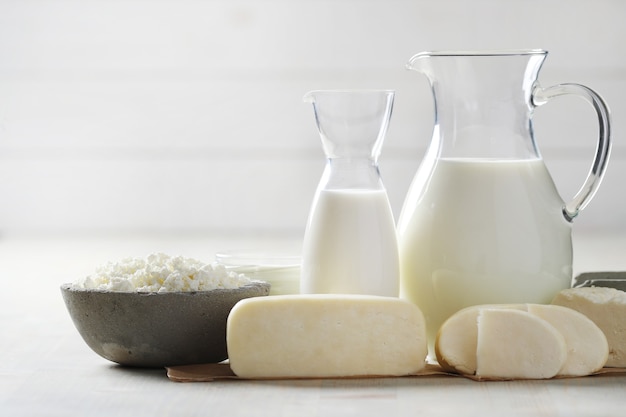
(416, 62)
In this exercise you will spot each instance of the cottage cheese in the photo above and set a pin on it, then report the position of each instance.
(161, 273)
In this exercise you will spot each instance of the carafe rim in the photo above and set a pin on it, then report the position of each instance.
(308, 97)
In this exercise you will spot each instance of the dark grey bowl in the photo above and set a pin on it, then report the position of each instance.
(156, 330)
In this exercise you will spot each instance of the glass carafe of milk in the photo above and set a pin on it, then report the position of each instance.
(482, 221)
(350, 243)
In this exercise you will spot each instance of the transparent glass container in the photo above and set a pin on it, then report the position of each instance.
(350, 243)
(282, 271)
(482, 221)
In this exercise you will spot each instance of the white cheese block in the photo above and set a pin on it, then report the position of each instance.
(516, 344)
(326, 335)
(606, 307)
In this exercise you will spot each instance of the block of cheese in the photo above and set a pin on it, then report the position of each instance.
(324, 335)
(516, 344)
(457, 346)
(606, 307)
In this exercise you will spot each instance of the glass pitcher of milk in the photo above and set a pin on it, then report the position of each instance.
(482, 221)
(350, 243)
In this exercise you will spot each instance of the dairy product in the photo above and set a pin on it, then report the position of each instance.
(281, 271)
(458, 350)
(587, 346)
(161, 273)
(325, 335)
(606, 307)
(482, 232)
(457, 338)
(514, 344)
(350, 245)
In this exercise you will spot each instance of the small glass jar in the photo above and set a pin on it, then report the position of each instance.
(281, 271)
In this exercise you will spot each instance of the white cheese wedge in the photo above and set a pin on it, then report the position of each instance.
(326, 335)
(515, 344)
(587, 346)
(606, 307)
(455, 344)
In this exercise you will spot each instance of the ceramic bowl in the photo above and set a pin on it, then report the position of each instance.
(156, 329)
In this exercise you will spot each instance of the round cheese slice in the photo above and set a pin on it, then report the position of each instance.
(514, 344)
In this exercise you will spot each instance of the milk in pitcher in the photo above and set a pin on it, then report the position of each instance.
(483, 231)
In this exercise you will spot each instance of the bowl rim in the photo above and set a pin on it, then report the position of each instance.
(70, 287)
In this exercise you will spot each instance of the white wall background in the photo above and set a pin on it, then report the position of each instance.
(186, 115)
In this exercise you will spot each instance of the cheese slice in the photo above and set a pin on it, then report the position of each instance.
(325, 335)
(515, 344)
(587, 347)
(606, 307)
(455, 344)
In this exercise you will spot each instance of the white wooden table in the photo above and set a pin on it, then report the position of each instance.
(47, 370)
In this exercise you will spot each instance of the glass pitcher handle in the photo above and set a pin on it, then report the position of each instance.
(594, 177)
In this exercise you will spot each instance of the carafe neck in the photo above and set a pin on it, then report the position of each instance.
(351, 173)
(352, 123)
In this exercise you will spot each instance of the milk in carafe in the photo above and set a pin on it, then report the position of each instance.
(350, 245)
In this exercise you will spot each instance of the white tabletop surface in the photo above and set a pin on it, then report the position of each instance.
(47, 370)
